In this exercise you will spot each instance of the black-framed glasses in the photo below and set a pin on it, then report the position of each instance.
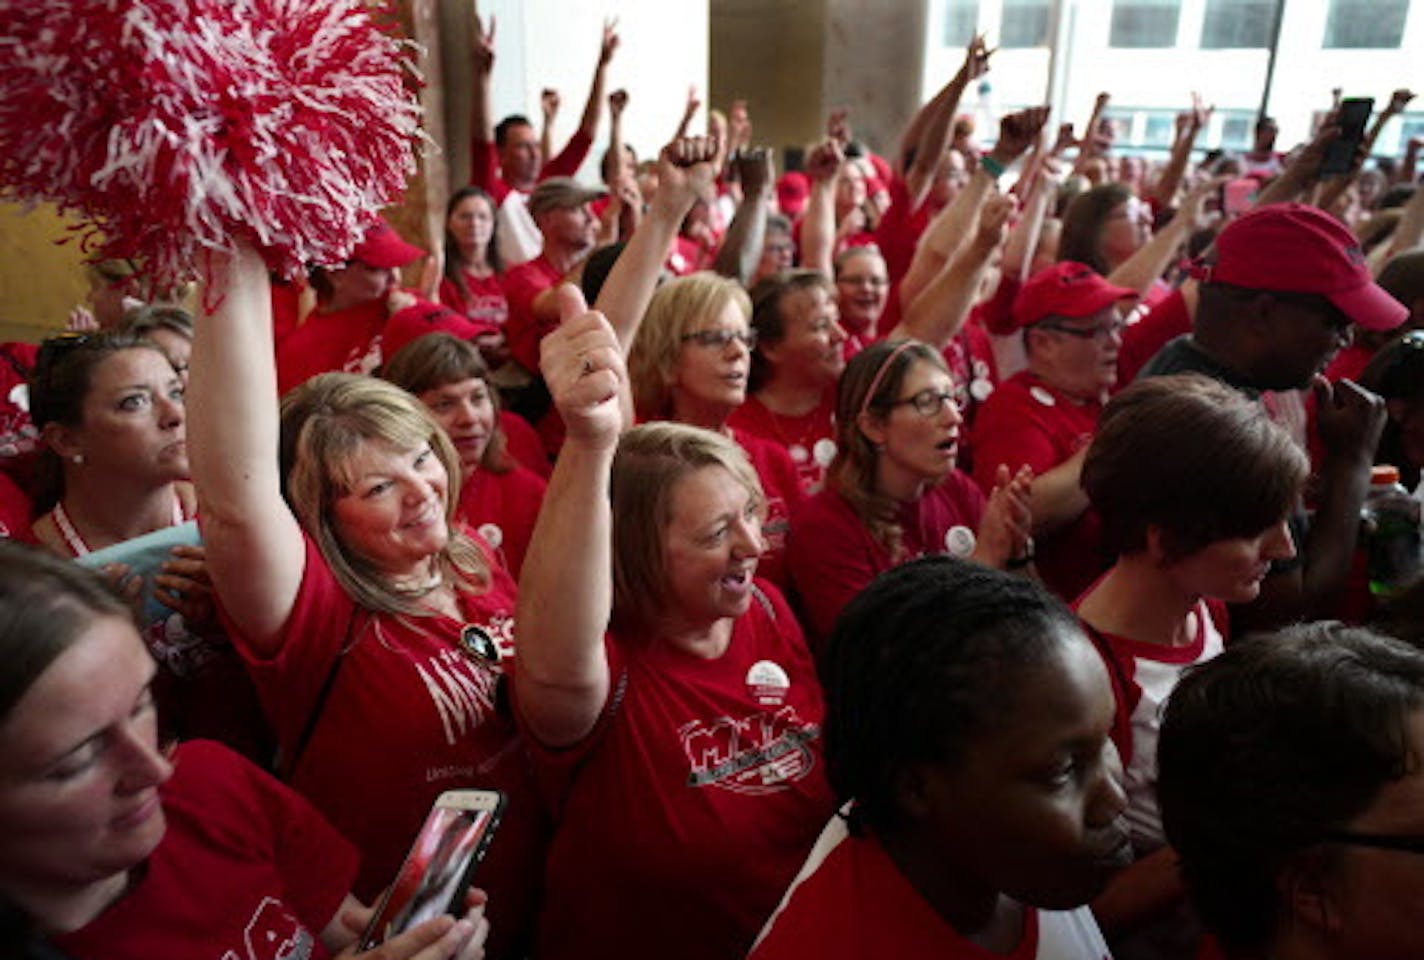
(721, 339)
(927, 402)
(1408, 843)
(1332, 316)
(1099, 332)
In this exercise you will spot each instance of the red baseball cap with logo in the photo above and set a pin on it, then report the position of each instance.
(384, 249)
(1066, 289)
(792, 190)
(1294, 248)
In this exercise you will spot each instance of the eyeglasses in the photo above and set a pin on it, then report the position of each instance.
(1100, 332)
(876, 282)
(927, 402)
(1332, 316)
(1379, 841)
(721, 339)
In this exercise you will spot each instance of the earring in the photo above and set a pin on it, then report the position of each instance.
(77, 459)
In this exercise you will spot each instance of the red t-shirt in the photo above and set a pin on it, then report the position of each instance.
(485, 173)
(1162, 323)
(521, 285)
(16, 510)
(833, 556)
(850, 902)
(245, 869)
(524, 444)
(1025, 421)
(358, 339)
(485, 304)
(782, 487)
(502, 508)
(687, 811)
(409, 715)
(809, 439)
(900, 229)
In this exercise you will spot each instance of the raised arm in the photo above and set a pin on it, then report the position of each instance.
(818, 223)
(593, 107)
(741, 245)
(1017, 132)
(684, 171)
(254, 546)
(1144, 267)
(549, 107)
(562, 681)
(689, 111)
(928, 132)
(1397, 102)
(1189, 124)
(940, 310)
(482, 155)
(1302, 173)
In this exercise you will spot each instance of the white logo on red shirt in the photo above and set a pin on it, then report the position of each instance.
(273, 933)
(768, 683)
(462, 692)
(760, 754)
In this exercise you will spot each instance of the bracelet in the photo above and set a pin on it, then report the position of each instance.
(1023, 560)
(994, 167)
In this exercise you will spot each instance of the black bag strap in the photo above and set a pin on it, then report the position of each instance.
(287, 766)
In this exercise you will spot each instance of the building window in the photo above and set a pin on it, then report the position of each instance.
(1024, 24)
(1377, 24)
(1144, 23)
(1238, 24)
(1237, 130)
(961, 21)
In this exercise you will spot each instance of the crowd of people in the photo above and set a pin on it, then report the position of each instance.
(951, 550)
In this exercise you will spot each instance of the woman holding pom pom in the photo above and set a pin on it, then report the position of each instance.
(374, 626)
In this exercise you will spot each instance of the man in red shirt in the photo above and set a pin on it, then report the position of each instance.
(560, 208)
(506, 160)
(1044, 416)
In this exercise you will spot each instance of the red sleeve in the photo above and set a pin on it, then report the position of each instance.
(523, 330)
(484, 170)
(1161, 324)
(568, 160)
(831, 557)
(897, 234)
(15, 512)
(286, 309)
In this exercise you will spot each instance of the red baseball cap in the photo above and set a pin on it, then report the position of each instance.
(384, 249)
(1294, 248)
(1066, 289)
(792, 190)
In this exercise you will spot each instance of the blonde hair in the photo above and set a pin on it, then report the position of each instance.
(325, 421)
(882, 368)
(651, 460)
(678, 306)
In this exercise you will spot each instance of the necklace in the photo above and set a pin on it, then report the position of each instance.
(76, 543)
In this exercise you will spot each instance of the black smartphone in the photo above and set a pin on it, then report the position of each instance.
(437, 872)
(1340, 154)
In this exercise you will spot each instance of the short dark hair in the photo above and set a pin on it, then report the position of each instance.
(918, 664)
(1193, 457)
(767, 321)
(1266, 748)
(501, 129)
(438, 359)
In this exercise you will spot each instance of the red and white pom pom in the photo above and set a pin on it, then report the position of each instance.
(174, 127)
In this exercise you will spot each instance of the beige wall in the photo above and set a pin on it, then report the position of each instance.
(792, 60)
(39, 280)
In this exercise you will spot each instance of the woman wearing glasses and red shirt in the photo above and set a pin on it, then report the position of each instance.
(893, 493)
(689, 363)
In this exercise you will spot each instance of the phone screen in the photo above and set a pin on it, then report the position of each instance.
(1340, 154)
(440, 865)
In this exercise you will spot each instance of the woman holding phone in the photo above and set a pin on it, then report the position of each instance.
(373, 625)
(103, 830)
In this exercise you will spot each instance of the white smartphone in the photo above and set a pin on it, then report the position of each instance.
(440, 866)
